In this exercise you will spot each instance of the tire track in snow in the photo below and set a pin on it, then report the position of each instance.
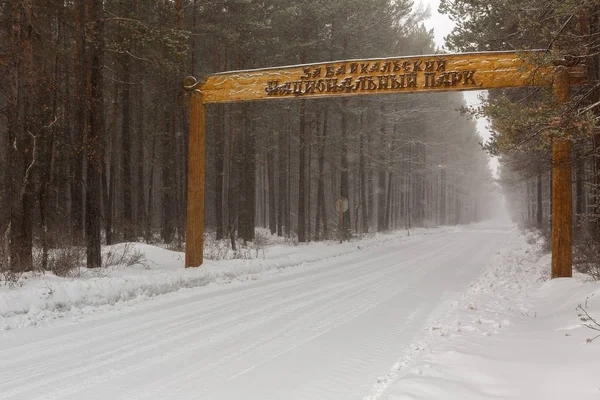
(332, 323)
(119, 351)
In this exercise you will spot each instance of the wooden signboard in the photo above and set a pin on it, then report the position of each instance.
(415, 74)
(447, 72)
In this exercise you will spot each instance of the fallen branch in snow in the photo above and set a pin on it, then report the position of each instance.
(588, 322)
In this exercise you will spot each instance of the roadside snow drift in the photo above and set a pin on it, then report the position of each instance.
(454, 314)
(47, 297)
(513, 335)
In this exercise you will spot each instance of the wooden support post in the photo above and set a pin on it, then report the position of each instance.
(562, 224)
(194, 245)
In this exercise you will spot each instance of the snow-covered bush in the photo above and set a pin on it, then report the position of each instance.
(66, 261)
(7, 276)
(586, 257)
(122, 255)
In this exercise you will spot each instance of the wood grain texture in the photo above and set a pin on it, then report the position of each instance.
(194, 246)
(562, 202)
(448, 72)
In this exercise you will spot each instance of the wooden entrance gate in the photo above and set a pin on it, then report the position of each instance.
(427, 73)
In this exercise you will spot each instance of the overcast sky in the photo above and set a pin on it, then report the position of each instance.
(440, 23)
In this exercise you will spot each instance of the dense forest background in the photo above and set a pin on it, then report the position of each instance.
(93, 124)
(526, 121)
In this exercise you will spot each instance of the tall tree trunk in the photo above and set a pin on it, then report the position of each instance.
(320, 164)
(344, 179)
(381, 179)
(128, 228)
(109, 192)
(420, 186)
(233, 186)
(25, 146)
(408, 202)
(388, 205)
(321, 208)
(15, 132)
(301, 172)
(540, 209)
(248, 174)
(142, 214)
(457, 207)
(150, 207)
(282, 184)
(288, 206)
(95, 133)
(370, 177)
(219, 129)
(362, 173)
(309, 187)
(168, 181)
(193, 38)
(271, 185)
(443, 188)
(46, 162)
(80, 69)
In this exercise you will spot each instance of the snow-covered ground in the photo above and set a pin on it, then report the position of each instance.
(514, 334)
(452, 313)
(41, 299)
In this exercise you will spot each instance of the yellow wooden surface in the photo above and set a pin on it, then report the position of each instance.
(194, 245)
(450, 72)
(562, 202)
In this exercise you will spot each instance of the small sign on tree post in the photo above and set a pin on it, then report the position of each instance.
(341, 205)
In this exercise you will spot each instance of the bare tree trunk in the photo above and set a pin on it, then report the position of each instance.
(408, 202)
(320, 153)
(282, 184)
(219, 129)
(271, 184)
(95, 133)
(388, 205)
(301, 172)
(370, 177)
(128, 228)
(344, 180)
(443, 187)
(248, 178)
(288, 207)
(109, 192)
(381, 194)
(150, 208)
(15, 132)
(321, 209)
(142, 214)
(23, 155)
(80, 110)
(47, 172)
(362, 173)
(540, 209)
(309, 186)
(168, 184)
(233, 182)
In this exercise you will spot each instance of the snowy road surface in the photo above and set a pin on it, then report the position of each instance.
(321, 331)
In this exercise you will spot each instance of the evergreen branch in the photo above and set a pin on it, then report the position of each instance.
(555, 36)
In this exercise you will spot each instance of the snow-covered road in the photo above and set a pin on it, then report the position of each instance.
(326, 330)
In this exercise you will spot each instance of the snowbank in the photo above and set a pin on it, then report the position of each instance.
(48, 297)
(513, 335)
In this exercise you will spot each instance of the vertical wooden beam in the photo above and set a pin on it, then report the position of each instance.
(194, 244)
(562, 224)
